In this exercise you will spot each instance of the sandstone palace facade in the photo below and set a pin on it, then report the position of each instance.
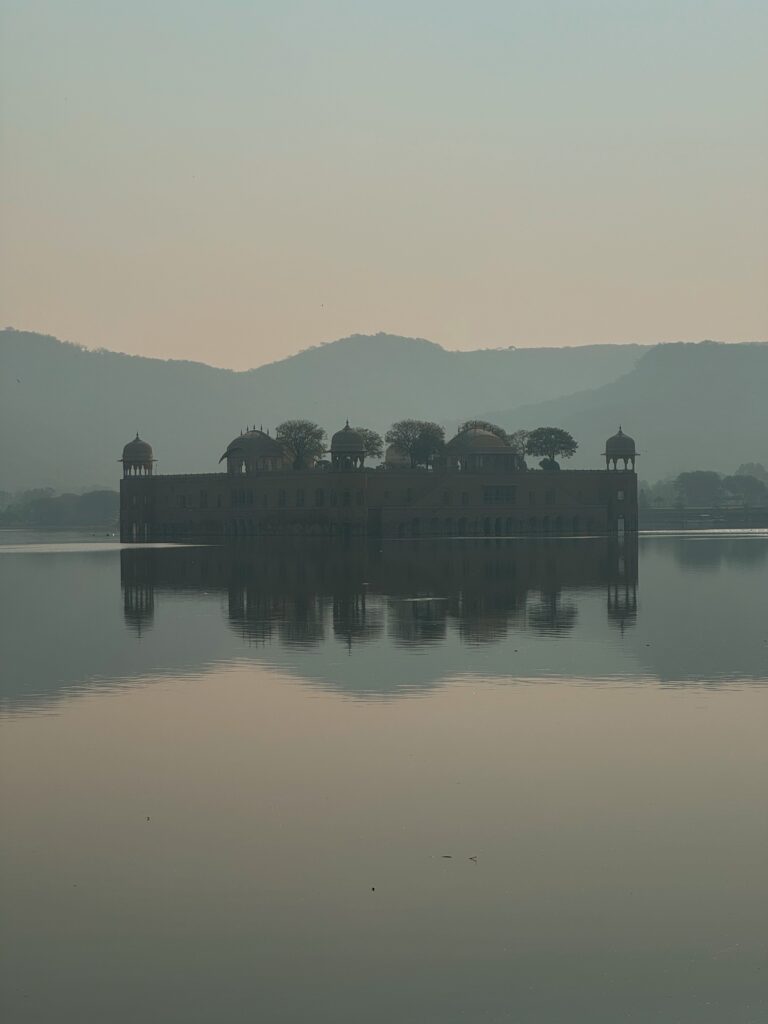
(477, 487)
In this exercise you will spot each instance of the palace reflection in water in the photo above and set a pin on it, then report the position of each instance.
(388, 619)
(506, 608)
(415, 594)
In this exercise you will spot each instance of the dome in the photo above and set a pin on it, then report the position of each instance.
(477, 440)
(346, 441)
(254, 452)
(254, 444)
(620, 444)
(137, 451)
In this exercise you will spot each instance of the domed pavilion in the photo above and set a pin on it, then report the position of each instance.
(137, 458)
(347, 449)
(255, 452)
(620, 447)
(476, 449)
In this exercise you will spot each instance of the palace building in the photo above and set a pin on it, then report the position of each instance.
(478, 486)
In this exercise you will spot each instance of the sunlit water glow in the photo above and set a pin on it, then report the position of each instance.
(504, 780)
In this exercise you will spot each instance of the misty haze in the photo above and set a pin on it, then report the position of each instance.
(383, 512)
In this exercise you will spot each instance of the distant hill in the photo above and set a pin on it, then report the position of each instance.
(702, 406)
(66, 412)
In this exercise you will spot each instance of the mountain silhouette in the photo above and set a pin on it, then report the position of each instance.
(66, 412)
(688, 406)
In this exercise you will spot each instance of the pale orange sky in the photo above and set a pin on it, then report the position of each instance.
(234, 182)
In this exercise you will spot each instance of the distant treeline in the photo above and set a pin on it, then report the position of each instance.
(43, 507)
(703, 488)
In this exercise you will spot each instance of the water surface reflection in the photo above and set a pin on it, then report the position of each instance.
(418, 592)
(433, 783)
(371, 620)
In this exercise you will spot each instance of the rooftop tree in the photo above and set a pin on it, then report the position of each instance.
(373, 445)
(550, 442)
(303, 439)
(518, 440)
(421, 440)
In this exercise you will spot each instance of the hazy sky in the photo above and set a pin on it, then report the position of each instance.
(235, 181)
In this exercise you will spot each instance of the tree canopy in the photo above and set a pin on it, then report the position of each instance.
(518, 441)
(373, 445)
(746, 487)
(699, 487)
(756, 469)
(550, 442)
(303, 439)
(421, 440)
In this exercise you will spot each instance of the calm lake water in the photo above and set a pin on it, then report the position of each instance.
(479, 781)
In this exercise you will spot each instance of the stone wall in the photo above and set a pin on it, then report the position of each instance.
(389, 503)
